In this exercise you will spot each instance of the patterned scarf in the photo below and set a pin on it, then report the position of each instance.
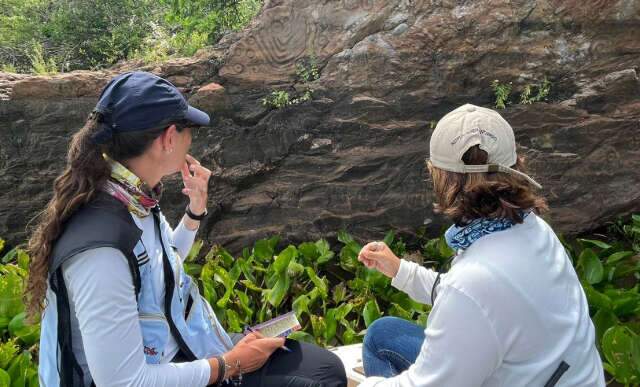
(125, 186)
(460, 238)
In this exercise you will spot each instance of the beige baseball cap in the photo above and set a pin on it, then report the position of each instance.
(471, 125)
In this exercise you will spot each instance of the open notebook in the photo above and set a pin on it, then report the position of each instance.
(281, 326)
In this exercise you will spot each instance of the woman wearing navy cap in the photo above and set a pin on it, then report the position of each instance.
(106, 271)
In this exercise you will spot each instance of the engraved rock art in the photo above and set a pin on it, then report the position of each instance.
(352, 157)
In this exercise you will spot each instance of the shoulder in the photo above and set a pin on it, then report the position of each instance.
(97, 263)
(103, 222)
(474, 278)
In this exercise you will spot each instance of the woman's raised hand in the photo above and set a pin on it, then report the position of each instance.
(196, 182)
(377, 255)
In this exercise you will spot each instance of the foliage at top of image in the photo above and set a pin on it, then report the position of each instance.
(530, 93)
(91, 34)
(336, 298)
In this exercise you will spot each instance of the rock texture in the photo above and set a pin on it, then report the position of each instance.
(353, 156)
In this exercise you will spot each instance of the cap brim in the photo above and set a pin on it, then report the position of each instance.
(197, 116)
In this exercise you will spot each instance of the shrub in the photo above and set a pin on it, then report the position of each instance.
(83, 34)
(336, 298)
(40, 65)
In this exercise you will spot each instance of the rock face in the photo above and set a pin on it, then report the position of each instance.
(353, 156)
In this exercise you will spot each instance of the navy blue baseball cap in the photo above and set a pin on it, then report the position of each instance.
(140, 100)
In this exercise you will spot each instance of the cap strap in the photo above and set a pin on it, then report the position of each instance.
(104, 134)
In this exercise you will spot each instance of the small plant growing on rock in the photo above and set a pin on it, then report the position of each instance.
(307, 69)
(277, 99)
(306, 96)
(501, 92)
(306, 72)
(543, 89)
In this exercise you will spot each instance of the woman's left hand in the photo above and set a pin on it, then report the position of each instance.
(196, 182)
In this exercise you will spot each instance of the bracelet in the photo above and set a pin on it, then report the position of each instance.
(237, 380)
(221, 370)
(194, 216)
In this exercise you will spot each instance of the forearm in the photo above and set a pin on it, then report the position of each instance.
(190, 224)
(415, 280)
(184, 235)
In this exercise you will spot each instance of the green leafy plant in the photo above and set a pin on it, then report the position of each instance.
(621, 350)
(307, 69)
(306, 72)
(501, 92)
(19, 339)
(542, 90)
(277, 99)
(609, 272)
(89, 34)
(333, 295)
(197, 23)
(336, 298)
(40, 65)
(9, 68)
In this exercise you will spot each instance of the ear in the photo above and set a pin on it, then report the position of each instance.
(168, 138)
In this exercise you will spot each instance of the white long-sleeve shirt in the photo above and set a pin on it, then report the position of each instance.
(106, 335)
(507, 313)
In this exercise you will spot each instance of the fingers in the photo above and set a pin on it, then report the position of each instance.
(185, 171)
(199, 171)
(374, 246)
(273, 342)
(258, 334)
(368, 263)
(250, 337)
(371, 248)
(192, 160)
(374, 255)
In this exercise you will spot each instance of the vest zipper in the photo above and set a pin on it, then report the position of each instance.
(152, 316)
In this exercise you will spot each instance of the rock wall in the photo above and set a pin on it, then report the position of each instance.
(353, 156)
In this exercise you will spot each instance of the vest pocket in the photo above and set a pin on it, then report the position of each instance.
(155, 333)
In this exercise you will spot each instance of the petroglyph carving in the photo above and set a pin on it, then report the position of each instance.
(353, 5)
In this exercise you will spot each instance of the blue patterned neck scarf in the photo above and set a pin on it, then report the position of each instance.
(460, 238)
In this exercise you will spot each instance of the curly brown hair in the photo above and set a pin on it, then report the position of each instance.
(85, 173)
(464, 197)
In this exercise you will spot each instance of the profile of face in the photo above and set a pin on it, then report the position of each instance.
(170, 149)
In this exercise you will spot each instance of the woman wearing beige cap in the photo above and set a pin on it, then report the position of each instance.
(510, 311)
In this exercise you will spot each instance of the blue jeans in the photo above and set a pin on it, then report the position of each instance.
(391, 345)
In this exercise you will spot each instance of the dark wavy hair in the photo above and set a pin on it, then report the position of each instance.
(464, 197)
(85, 173)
